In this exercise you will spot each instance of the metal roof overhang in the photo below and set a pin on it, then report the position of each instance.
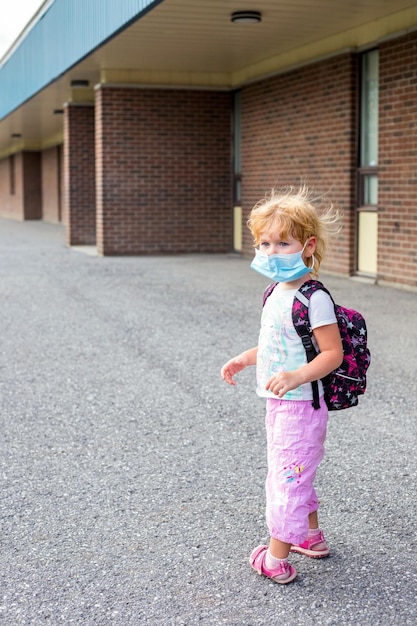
(194, 44)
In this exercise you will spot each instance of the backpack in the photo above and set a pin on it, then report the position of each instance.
(342, 386)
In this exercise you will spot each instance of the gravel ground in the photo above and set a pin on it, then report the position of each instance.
(133, 477)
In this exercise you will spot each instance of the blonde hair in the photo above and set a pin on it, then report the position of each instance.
(297, 212)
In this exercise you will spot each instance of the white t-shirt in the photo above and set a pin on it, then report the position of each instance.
(280, 347)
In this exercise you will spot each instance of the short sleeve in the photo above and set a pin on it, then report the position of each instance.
(321, 310)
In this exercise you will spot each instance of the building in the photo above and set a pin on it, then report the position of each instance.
(153, 127)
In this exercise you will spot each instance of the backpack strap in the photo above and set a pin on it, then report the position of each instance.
(301, 323)
(268, 292)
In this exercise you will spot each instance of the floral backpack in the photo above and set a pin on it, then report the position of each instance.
(342, 386)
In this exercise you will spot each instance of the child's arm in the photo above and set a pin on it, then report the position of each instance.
(330, 357)
(237, 364)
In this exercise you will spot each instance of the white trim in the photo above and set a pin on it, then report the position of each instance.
(26, 30)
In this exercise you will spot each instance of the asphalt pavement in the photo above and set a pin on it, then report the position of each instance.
(132, 476)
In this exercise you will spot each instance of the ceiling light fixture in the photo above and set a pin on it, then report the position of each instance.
(77, 82)
(246, 17)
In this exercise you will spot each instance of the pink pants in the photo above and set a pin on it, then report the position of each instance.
(295, 434)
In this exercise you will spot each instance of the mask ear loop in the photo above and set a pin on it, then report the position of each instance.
(312, 256)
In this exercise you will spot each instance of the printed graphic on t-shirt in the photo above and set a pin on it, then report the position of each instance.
(279, 347)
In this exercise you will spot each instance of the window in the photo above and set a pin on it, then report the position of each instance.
(368, 140)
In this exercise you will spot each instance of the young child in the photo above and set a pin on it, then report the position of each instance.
(290, 230)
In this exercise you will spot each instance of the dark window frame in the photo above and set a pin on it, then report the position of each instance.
(362, 173)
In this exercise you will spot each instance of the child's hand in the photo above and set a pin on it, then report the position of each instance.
(232, 367)
(282, 382)
(237, 364)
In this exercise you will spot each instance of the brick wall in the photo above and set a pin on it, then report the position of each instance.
(397, 196)
(163, 171)
(51, 184)
(79, 198)
(300, 126)
(21, 199)
(11, 200)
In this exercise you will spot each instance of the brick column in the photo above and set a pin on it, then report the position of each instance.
(164, 178)
(32, 189)
(79, 175)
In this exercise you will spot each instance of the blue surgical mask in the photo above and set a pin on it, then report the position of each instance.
(281, 268)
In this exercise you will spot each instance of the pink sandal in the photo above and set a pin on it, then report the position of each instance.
(283, 574)
(315, 547)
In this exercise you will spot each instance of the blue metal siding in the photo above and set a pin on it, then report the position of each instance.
(67, 32)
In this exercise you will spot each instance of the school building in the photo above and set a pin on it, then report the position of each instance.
(153, 127)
